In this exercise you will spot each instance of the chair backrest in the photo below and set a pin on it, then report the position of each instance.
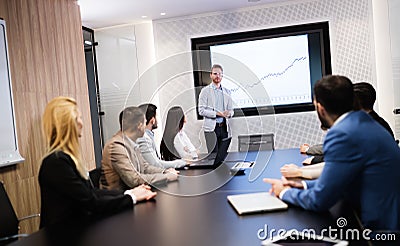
(256, 142)
(8, 219)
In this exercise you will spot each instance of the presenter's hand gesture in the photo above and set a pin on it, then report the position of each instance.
(224, 114)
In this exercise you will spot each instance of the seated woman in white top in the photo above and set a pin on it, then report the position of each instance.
(175, 143)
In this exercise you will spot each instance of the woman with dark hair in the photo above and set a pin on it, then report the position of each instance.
(175, 143)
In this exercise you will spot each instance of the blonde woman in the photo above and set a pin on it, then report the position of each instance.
(66, 191)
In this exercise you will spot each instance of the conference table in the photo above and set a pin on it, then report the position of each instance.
(194, 211)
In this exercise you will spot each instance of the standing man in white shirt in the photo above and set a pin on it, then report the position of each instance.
(215, 105)
(147, 143)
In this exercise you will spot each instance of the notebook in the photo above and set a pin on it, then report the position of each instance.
(255, 202)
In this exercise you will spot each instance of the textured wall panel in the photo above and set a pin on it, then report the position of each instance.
(351, 50)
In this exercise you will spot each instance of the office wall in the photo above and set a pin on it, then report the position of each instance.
(394, 20)
(125, 54)
(47, 60)
(117, 72)
(385, 64)
(351, 34)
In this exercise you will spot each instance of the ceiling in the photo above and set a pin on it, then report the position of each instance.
(105, 13)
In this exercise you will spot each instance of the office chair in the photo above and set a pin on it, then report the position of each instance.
(94, 176)
(9, 226)
(256, 142)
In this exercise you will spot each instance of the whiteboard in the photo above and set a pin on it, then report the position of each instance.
(9, 153)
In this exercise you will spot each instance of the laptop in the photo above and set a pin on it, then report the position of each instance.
(256, 203)
(212, 160)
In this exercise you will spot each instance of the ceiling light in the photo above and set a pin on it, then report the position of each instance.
(163, 13)
(144, 16)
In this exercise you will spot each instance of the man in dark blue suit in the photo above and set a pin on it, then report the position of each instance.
(362, 162)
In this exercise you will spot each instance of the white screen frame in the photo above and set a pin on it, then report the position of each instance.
(9, 153)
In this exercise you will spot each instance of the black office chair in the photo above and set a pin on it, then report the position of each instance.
(94, 176)
(9, 225)
(256, 142)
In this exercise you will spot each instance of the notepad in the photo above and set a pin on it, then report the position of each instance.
(255, 203)
(243, 165)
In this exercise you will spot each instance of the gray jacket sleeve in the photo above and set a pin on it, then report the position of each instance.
(150, 156)
(205, 106)
(154, 161)
(150, 174)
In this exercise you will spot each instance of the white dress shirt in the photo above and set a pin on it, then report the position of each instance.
(184, 146)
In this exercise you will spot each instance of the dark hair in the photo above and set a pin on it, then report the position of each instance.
(130, 118)
(364, 96)
(216, 66)
(149, 110)
(335, 93)
(174, 123)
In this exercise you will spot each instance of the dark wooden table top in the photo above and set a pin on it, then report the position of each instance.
(194, 211)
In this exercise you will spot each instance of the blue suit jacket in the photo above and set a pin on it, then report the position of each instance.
(363, 166)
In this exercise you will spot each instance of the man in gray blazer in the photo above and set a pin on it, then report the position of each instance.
(147, 145)
(122, 164)
(215, 105)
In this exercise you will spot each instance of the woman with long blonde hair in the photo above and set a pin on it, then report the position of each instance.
(66, 191)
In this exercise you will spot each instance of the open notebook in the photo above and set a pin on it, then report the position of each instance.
(256, 202)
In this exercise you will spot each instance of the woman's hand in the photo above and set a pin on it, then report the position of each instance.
(291, 171)
(143, 192)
